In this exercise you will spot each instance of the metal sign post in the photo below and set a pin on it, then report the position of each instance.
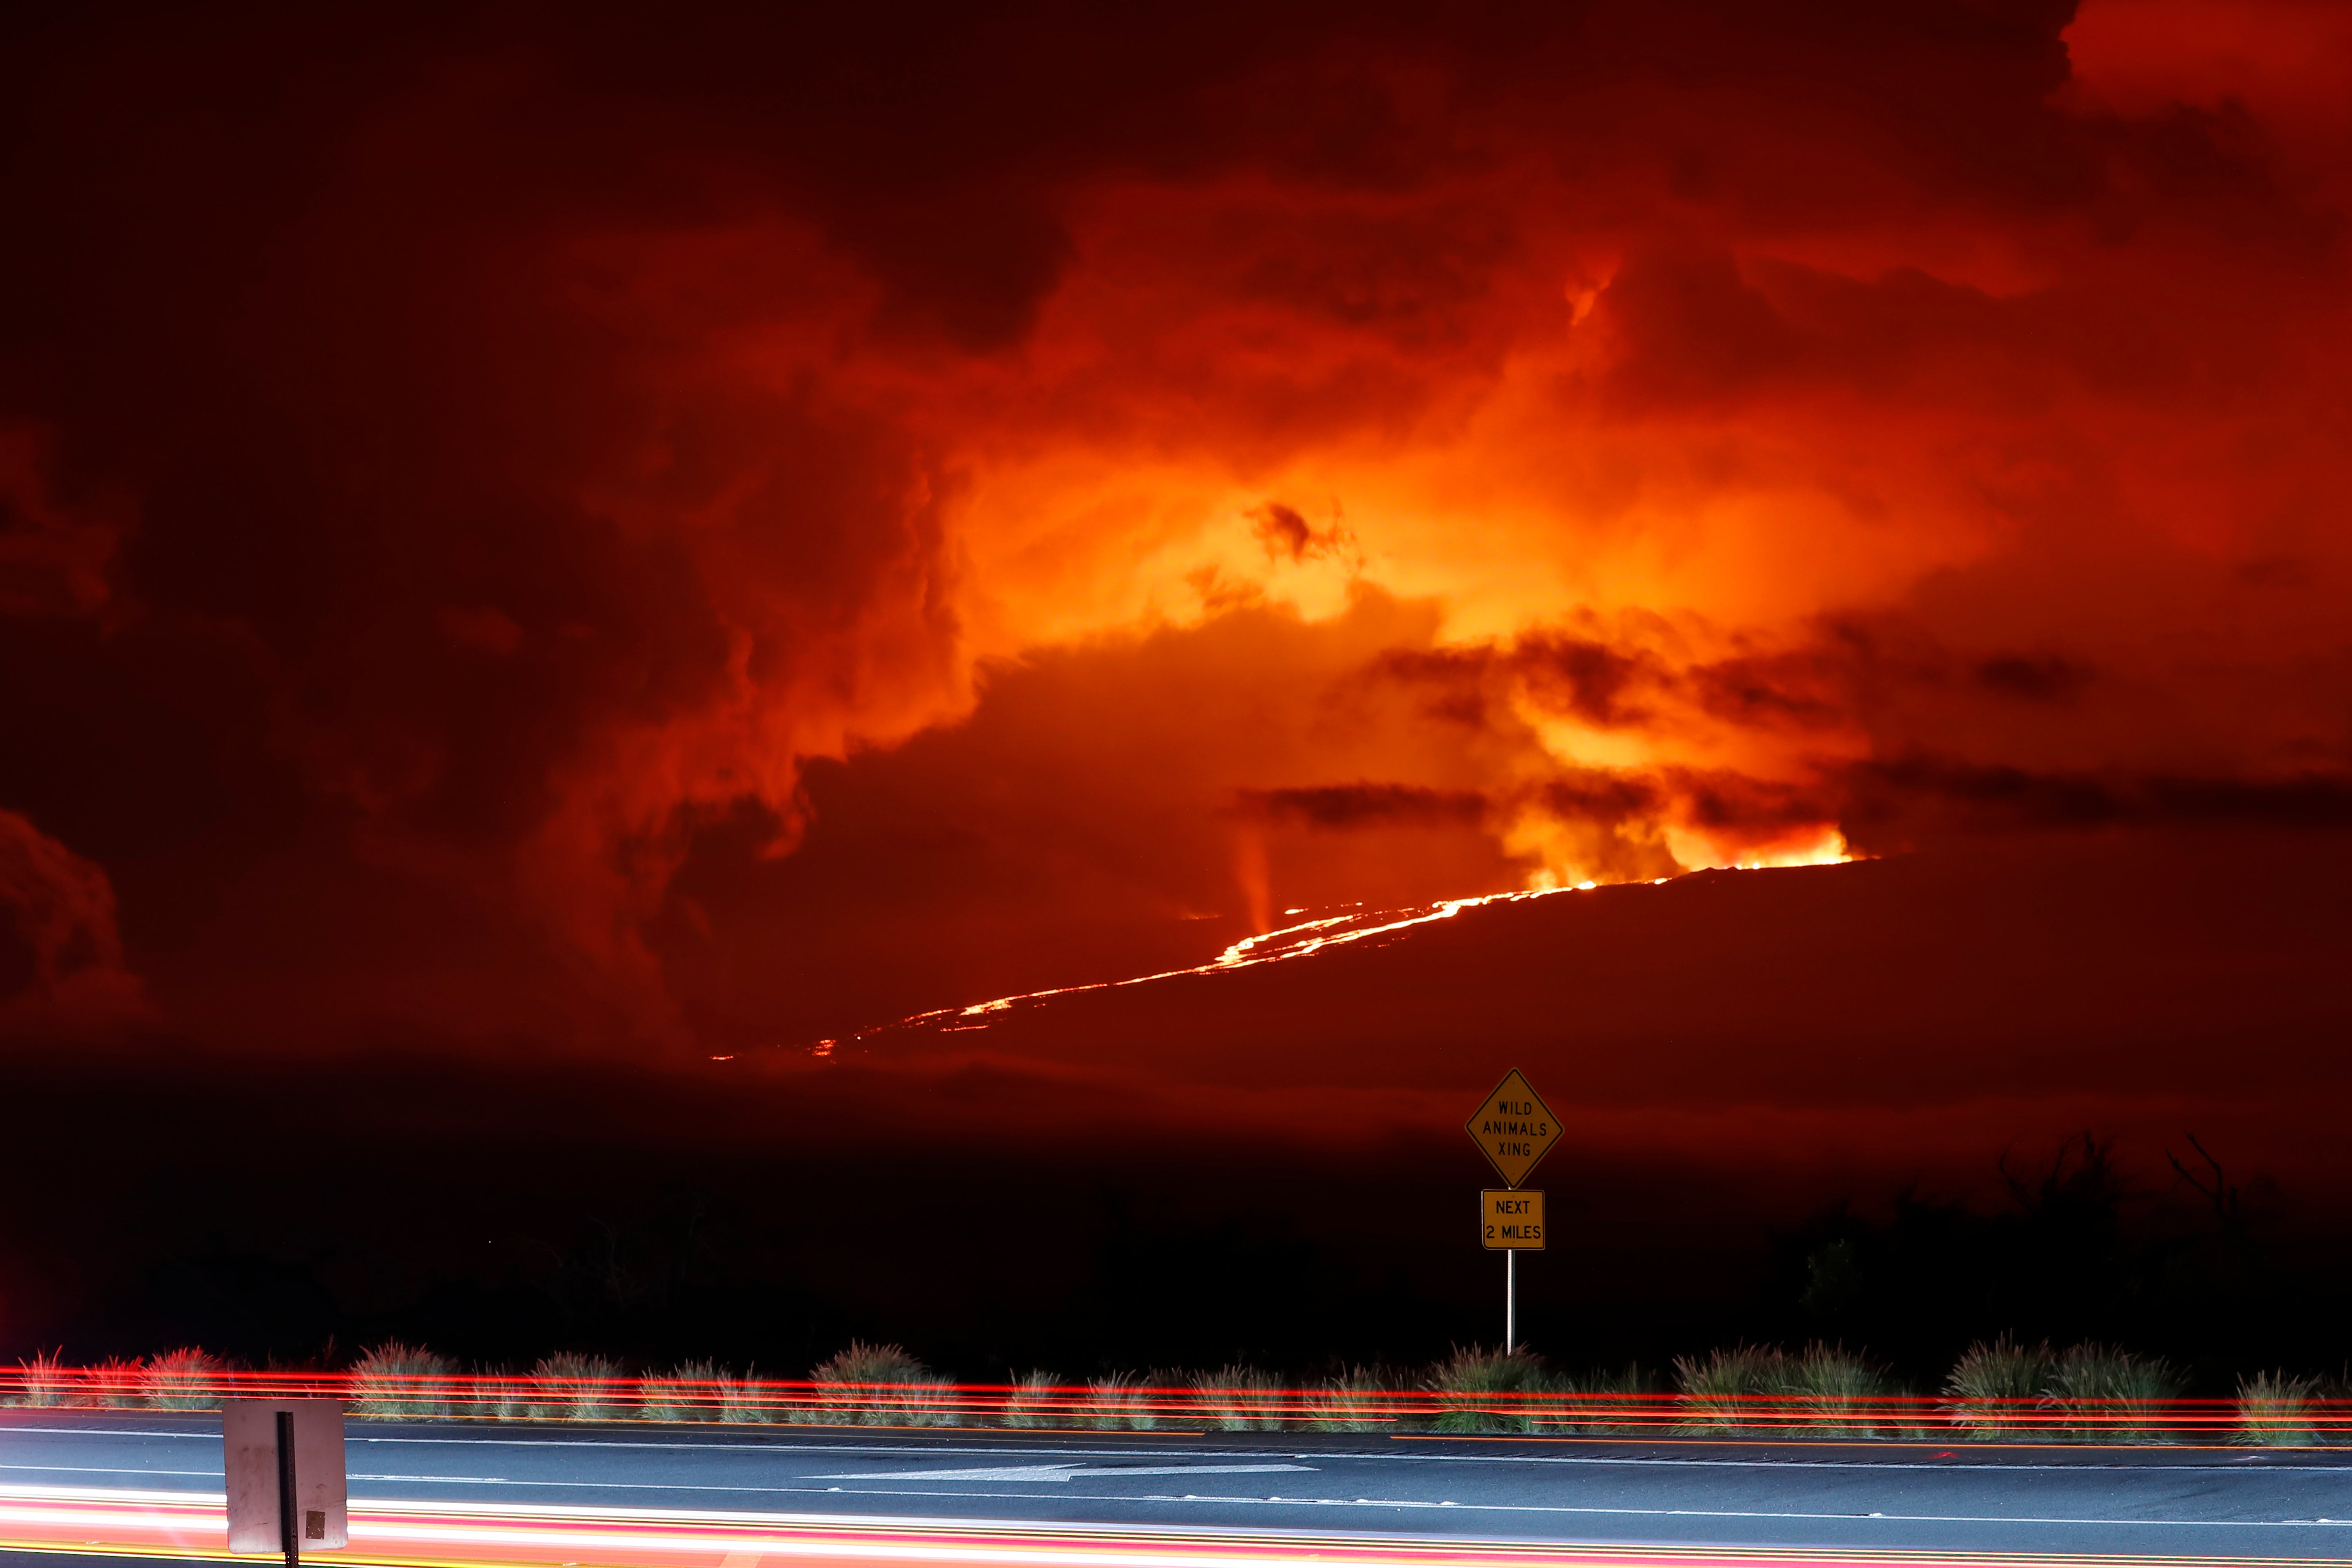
(1514, 1129)
(1511, 1221)
(283, 1462)
(287, 1541)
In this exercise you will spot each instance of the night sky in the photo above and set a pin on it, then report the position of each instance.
(565, 569)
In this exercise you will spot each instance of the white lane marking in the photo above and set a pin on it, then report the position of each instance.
(1891, 1465)
(493, 1515)
(1623, 1512)
(1056, 1472)
(105, 1470)
(108, 1432)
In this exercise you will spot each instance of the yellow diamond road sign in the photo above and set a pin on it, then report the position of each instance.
(1514, 1128)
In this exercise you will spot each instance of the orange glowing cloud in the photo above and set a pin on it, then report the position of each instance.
(654, 515)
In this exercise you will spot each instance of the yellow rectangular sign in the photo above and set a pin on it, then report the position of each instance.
(1511, 1219)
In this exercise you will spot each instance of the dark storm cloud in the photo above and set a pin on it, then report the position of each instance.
(1692, 329)
(1630, 681)
(1931, 714)
(1361, 804)
(1609, 799)
(1591, 680)
(1596, 679)
(1928, 792)
(2032, 678)
(1807, 689)
(1765, 807)
(1285, 534)
(1720, 798)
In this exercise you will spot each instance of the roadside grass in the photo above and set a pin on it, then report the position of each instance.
(2275, 1411)
(1715, 1388)
(1835, 1390)
(568, 1386)
(113, 1384)
(878, 1386)
(1603, 1416)
(386, 1383)
(1356, 1401)
(1238, 1398)
(2104, 1393)
(1992, 1390)
(44, 1381)
(1999, 1390)
(1484, 1391)
(498, 1395)
(1823, 1389)
(1033, 1401)
(687, 1391)
(1119, 1403)
(181, 1380)
(741, 1402)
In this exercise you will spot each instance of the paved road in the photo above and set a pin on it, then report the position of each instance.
(2199, 1502)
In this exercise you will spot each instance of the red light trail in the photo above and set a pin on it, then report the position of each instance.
(1406, 1412)
(432, 1535)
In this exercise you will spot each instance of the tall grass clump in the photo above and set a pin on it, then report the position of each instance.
(498, 1395)
(1358, 1400)
(1487, 1391)
(1238, 1398)
(184, 1379)
(396, 1379)
(1716, 1389)
(1607, 1415)
(1121, 1402)
(2102, 1391)
(1833, 1389)
(113, 1384)
(1033, 1401)
(44, 1381)
(1994, 1386)
(687, 1391)
(2275, 1411)
(878, 1386)
(568, 1386)
(742, 1403)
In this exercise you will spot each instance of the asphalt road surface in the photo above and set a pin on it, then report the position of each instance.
(2201, 1502)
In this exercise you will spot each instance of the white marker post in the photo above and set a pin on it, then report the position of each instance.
(283, 1460)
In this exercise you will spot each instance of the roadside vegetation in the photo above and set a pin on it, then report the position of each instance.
(396, 1379)
(2275, 1411)
(1824, 1390)
(1999, 1391)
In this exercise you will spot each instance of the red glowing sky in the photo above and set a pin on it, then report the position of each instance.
(679, 535)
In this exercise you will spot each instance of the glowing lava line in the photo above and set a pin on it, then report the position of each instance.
(1299, 940)
(1305, 939)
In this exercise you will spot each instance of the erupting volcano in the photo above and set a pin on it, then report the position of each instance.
(1784, 566)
